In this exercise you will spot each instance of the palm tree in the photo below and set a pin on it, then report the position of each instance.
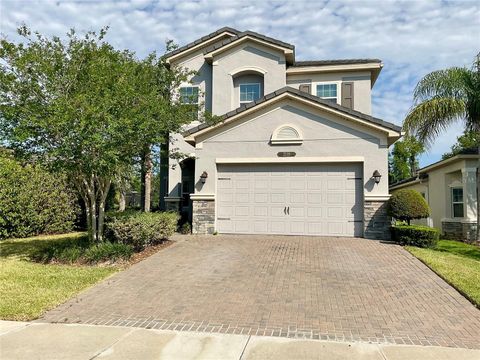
(442, 98)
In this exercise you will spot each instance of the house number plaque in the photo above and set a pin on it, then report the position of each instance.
(286, 154)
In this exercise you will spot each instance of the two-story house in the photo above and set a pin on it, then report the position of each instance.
(297, 152)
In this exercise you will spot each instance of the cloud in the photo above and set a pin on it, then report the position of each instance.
(411, 37)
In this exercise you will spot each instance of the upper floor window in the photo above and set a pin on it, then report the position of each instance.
(249, 92)
(189, 97)
(457, 202)
(327, 92)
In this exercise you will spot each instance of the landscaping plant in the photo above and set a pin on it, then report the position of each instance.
(442, 98)
(141, 229)
(415, 235)
(85, 109)
(33, 201)
(407, 205)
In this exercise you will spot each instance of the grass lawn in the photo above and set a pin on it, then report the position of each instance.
(29, 289)
(457, 263)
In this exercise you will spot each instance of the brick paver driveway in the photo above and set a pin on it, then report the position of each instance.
(327, 288)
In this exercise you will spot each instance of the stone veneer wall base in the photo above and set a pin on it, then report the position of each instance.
(376, 220)
(460, 231)
(203, 218)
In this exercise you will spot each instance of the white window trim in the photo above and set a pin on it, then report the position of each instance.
(240, 92)
(338, 83)
(276, 141)
(457, 202)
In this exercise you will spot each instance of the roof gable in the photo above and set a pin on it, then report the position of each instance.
(224, 31)
(393, 131)
(288, 49)
(294, 117)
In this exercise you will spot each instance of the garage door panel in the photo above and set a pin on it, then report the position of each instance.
(296, 211)
(315, 212)
(277, 227)
(315, 198)
(335, 212)
(278, 184)
(335, 198)
(260, 227)
(297, 198)
(241, 198)
(277, 211)
(242, 226)
(277, 197)
(225, 211)
(242, 210)
(297, 184)
(314, 184)
(259, 211)
(297, 227)
(260, 198)
(323, 199)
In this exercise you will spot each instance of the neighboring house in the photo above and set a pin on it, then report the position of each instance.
(297, 148)
(450, 188)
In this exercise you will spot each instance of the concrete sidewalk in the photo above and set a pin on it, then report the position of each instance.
(60, 341)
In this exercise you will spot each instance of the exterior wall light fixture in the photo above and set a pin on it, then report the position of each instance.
(376, 176)
(203, 177)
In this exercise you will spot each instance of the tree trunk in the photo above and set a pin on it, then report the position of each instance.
(93, 215)
(164, 157)
(94, 194)
(122, 203)
(105, 187)
(146, 180)
(478, 199)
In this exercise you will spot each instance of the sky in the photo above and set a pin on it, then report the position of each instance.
(412, 38)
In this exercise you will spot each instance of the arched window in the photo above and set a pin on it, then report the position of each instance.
(248, 86)
(286, 134)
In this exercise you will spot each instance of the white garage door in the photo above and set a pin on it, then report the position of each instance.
(303, 199)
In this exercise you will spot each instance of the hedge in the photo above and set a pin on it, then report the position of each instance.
(415, 235)
(140, 229)
(33, 201)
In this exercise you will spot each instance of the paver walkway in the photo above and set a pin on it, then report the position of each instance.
(302, 287)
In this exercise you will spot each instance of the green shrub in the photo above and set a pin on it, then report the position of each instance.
(140, 229)
(415, 235)
(80, 250)
(69, 255)
(185, 228)
(33, 201)
(407, 205)
(107, 251)
(65, 251)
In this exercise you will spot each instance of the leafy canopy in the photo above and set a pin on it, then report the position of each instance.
(468, 142)
(81, 105)
(404, 159)
(443, 97)
(406, 204)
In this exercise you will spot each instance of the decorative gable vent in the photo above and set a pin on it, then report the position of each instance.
(286, 134)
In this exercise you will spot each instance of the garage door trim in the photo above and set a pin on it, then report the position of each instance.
(273, 160)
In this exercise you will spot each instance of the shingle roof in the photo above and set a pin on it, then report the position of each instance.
(288, 89)
(335, 62)
(202, 39)
(252, 34)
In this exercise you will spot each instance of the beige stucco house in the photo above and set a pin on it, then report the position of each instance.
(296, 150)
(450, 188)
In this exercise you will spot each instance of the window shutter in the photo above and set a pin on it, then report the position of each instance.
(305, 88)
(347, 94)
